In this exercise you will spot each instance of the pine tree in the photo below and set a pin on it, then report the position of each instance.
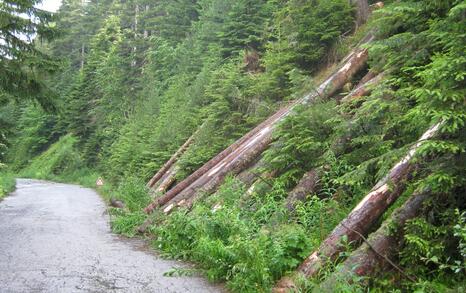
(244, 27)
(22, 63)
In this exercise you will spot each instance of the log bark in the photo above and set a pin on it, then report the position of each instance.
(167, 180)
(362, 217)
(369, 75)
(245, 150)
(308, 184)
(170, 163)
(249, 175)
(364, 89)
(383, 244)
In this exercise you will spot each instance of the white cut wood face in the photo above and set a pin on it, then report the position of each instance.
(168, 208)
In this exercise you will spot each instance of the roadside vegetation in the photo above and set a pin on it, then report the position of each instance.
(137, 79)
(7, 183)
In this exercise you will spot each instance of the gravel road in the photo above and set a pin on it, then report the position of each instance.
(56, 238)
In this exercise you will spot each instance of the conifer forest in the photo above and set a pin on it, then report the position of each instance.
(275, 145)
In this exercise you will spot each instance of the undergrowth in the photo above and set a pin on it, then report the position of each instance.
(7, 183)
(134, 194)
(247, 241)
(61, 162)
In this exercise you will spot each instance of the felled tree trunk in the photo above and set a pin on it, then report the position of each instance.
(363, 216)
(369, 75)
(245, 150)
(249, 175)
(381, 246)
(309, 183)
(167, 180)
(207, 166)
(171, 162)
(246, 153)
(363, 89)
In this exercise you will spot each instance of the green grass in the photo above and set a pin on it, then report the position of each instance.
(7, 183)
(250, 241)
(135, 196)
(61, 162)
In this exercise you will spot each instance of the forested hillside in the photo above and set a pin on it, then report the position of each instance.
(281, 133)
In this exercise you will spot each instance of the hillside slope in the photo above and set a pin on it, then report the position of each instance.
(294, 147)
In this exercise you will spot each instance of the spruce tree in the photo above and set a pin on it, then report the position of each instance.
(22, 63)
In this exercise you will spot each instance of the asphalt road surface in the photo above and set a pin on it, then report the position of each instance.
(56, 238)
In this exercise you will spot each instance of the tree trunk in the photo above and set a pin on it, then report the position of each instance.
(363, 216)
(369, 75)
(249, 175)
(309, 183)
(245, 150)
(207, 166)
(170, 163)
(167, 180)
(82, 56)
(364, 89)
(146, 32)
(383, 244)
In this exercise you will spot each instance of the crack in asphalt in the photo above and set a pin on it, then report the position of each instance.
(56, 238)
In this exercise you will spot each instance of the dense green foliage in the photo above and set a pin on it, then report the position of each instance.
(22, 62)
(248, 241)
(7, 183)
(140, 77)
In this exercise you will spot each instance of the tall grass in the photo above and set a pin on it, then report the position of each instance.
(7, 183)
(62, 163)
(247, 241)
(135, 196)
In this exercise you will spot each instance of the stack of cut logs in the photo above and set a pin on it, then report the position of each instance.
(376, 251)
